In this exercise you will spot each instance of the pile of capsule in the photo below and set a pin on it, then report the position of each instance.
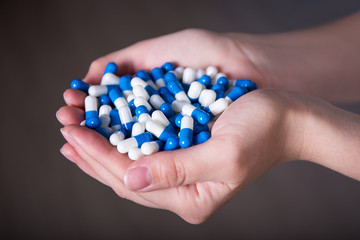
(165, 109)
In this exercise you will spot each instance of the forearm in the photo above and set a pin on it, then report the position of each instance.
(321, 61)
(331, 138)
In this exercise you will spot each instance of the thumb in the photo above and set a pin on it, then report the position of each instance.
(174, 168)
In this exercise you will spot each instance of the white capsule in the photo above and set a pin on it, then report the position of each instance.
(218, 106)
(105, 110)
(116, 137)
(141, 101)
(143, 118)
(188, 109)
(154, 127)
(178, 105)
(125, 145)
(156, 101)
(91, 104)
(189, 75)
(160, 117)
(207, 97)
(195, 90)
(97, 90)
(199, 73)
(139, 91)
(137, 129)
(150, 148)
(82, 123)
(125, 115)
(179, 71)
(109, 79)
(187, 122)
(181, 96)
(211, 71)
(135, 153)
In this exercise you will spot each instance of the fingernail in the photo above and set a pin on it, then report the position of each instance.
(65, 154)
(138, 178)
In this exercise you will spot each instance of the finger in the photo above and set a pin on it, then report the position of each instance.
(70, 153)
(96, 164)
(75, 98)
(176, 168)
(70, 115)
(99, 148)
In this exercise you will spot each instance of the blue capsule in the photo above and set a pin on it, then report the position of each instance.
(78, 84)
(115, 122)
(224, 81)
(201, 137)
(186, 132)
(235, 93)
(205, 80)
(245, 83)
(111, 67)
(105, 100)
(168, 66)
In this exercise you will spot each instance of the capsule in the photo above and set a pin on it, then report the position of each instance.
(115, 122)
(175, 88)
(199, 73)
(78, 84)
(195, 90)
(201, 137)
(186, 132)
(139, 91)
(126, 118)
(248, 84)
(105, 100)
(98, 90)
(199, 115)
(104, 115)
(207, 97)
(159, 130)
(135, 153)
(137, 129)
(118, 136)
(125, 85)
(205, 80)
(152, 147)
(158, 103)
(168, 66)
(235, 93)
(117, 98)
(160, 117)
(217, 107)
(211, 71)
(219, 90)
(147, 87)
(136, 141)
(146, 76)
(91, 112)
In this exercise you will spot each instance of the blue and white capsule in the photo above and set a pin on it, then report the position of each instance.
(158, 103)
(160, 117)
(115, 122)
(146, 76)
(186, 132)
(195, 90)
(136, 141)
(189, 110)
(145, 85)
(126, 118)
(117, 98)
(149, 148)
(207, 97)
(217, 107)
(109, 77)
(248, 84)
(175, 88)
(92, 119)
(143, 109)
(98, 90)
(158, 76)
(235, 93)
(201, 137)
(159, 131)
(125, 85)
(117, 136)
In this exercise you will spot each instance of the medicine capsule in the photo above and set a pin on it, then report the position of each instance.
(195, 90)
(217, 107)
(91, 112)
(139, 91)
(207, 97)
(160, 117)
(205, 80)
(199, 115)
(98, 90)
(248, 84)
(125, 85)
(179, 71)
(224, 81)
(109, 79)
(135, 153)
(147, 87)
(105, 100)
(186, 132)
(235, 93)
(175, 88)
(136, 141)
(158, 103)
(219, 90)
(189, 75)
(199, 73)
(159, 130)
(142, 114)
(104, 115)
(147, 77)
(149, 148)
(126, 118)
(171, 143)
(78, 84)
(201, 137)
(103, 132)
(137, 129)
(115, 122)
(117, 98)
(168, 66)
(118, 136)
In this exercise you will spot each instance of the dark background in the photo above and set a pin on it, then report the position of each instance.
(45, 44)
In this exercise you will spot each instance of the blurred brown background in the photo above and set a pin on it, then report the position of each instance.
(45, 44)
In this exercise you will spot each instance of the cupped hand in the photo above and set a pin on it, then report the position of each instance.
(250, 137)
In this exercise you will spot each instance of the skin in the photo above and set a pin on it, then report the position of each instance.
(262, 129)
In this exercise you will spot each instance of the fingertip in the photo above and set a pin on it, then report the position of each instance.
(68, 152)
(67, 115)
(74, 98)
